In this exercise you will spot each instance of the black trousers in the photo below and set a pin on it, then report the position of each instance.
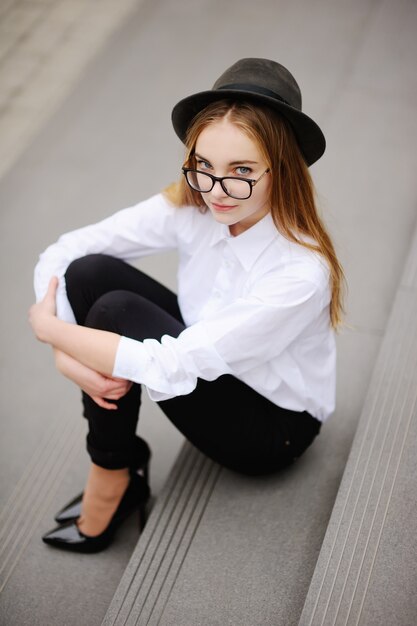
(226, 419)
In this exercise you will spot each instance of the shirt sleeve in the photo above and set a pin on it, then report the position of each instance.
(243, 335)
(140, 230)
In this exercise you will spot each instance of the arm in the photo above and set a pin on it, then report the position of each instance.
(141, 230)
(241, 336)
(99, 387)
(95, 349)
(247, 334)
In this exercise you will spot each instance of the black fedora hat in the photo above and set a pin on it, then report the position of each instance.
(257, 81)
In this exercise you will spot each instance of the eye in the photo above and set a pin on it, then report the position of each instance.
(203, 165)
(242, 170)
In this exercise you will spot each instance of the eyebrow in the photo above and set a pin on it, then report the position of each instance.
(242, 162)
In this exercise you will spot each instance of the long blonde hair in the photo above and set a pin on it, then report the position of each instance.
(292, 196)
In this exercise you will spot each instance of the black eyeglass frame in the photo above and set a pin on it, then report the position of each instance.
(219, 179)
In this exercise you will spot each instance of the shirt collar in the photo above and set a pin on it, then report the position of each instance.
(250, 244)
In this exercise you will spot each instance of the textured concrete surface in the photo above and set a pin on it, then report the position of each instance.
(367, 568)
(109, 144)
(220, 548)
(45, 45)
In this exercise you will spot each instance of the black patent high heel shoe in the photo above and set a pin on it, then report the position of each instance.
(72, 510)
(69, 537)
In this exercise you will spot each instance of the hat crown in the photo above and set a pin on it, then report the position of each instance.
(257, 81)
(261, 76)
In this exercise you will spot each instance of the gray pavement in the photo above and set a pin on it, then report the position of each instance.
(106, 143)
(365, 573)
(45, 45)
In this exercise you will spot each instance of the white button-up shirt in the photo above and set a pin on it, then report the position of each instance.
(256, 306)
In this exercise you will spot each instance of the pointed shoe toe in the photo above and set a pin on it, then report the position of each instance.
(71, 511)
(69, 537)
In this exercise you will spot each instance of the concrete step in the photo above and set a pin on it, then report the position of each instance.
(220, 548)
(366, 571)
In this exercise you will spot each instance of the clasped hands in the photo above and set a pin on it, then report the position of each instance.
(99, 387)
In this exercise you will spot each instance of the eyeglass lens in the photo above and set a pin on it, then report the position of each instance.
(236, 188)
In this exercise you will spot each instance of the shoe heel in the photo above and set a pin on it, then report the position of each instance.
(144, 472)
(142, 516)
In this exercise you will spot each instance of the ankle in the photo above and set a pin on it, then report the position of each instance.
(102, 495)
(106, 483)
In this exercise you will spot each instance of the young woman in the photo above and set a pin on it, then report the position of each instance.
(242, 361)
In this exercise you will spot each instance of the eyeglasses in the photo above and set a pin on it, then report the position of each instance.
(238, 188)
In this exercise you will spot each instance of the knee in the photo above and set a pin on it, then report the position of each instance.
(86, 269)
(110, 311)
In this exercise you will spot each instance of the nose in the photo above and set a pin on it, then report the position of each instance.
(218, 191)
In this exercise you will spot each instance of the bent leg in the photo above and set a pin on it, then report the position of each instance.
(94, 275)
(101, 291)
(111, 441)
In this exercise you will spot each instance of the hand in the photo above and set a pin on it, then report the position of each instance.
(40, 314)
(108, 389)
(100, 388)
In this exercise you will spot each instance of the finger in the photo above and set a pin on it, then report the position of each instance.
(104, 404)
(122, 381)
(116, 394)
(125, 387)
(113, 395)
(52, 287)
(116, 391)
(109, 392)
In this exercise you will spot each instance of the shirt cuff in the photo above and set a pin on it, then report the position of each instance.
(131, 359)
(134, 361)
(171, 367)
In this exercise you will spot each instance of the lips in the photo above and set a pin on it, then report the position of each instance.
(223, 207)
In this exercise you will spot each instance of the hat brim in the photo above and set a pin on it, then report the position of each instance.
(309, 135)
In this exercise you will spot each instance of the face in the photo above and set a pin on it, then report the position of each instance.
(223, 149)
